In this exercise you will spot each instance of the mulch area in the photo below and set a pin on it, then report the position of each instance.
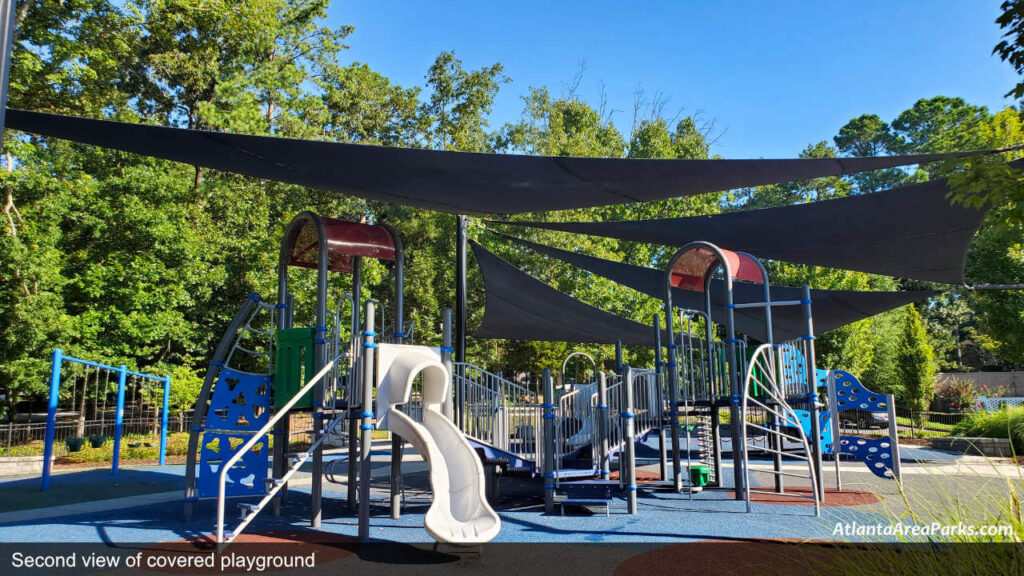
(642, 476)
(800, 496)
(62, 463)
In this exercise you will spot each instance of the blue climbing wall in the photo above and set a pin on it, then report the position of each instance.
(824, 426)
(877, 453)
(852, 395)
(240, 406)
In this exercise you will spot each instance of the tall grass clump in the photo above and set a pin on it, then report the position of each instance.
(1007, 422)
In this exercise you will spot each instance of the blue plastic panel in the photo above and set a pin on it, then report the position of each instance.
(822, 376)
(825, 426)
(794, 367)
(875, 452)
(245, 478)
(852, 395)
(241, 402)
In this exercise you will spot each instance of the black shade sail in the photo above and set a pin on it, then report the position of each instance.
(908, 232)
(520, 307)
(830, 308)
(455, 182)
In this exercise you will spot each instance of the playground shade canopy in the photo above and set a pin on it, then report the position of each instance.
(909, 232)
(344, 240)
(455, 182)
(520, 307)
(693, 267)
(831, 308)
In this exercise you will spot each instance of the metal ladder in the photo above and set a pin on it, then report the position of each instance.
(706, 443)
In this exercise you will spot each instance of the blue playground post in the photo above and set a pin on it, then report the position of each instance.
(51, 415)
(122, 378)
(163, 420)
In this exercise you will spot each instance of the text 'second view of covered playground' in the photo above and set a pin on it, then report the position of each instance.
(346, 421)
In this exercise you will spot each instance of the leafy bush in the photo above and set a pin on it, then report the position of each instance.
(177, 445)
(959, 396)
(1005, 423)
(992, 391)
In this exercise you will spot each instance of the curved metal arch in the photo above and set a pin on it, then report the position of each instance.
(673, 357)
(578, 353)
(399, 334)
(730, 323)
(766, 362)
(291, 234)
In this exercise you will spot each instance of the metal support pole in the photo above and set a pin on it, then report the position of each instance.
(320, 355)
(448, 408)
(164, 419)
(51, 415)
(629, 429)
(122, 378)
(460, 289)
(673, 396)
(812, 391)
(460, 308)
(775, 441)
(618, 358)
(604, 462)
(397, 444)
(833, 413)
(367, 426)
(890, 404)
(659, 384)
(549, 442)
(355, 378)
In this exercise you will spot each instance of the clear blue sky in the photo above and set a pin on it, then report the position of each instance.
(775, 76)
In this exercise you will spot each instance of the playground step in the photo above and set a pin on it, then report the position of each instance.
(245, 509)
(606, 502)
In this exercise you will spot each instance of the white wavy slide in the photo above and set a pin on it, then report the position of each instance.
(459, 513)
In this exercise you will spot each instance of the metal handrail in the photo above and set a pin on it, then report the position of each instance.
(222, 478)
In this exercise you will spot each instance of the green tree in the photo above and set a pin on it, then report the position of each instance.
(868, 135)
(459, 102)
(915, 362)
(1011, 47)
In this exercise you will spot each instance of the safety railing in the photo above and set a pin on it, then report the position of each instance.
(575, 421)
(258, 437)
(496, 411)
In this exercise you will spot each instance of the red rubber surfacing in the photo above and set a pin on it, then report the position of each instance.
(800, 496)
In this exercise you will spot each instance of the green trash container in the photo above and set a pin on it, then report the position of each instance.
(700, 475)
(293, 366)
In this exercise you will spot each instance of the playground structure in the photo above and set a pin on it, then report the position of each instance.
(262, 357)
(472, 426)
(754, 389)
(146, 390)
